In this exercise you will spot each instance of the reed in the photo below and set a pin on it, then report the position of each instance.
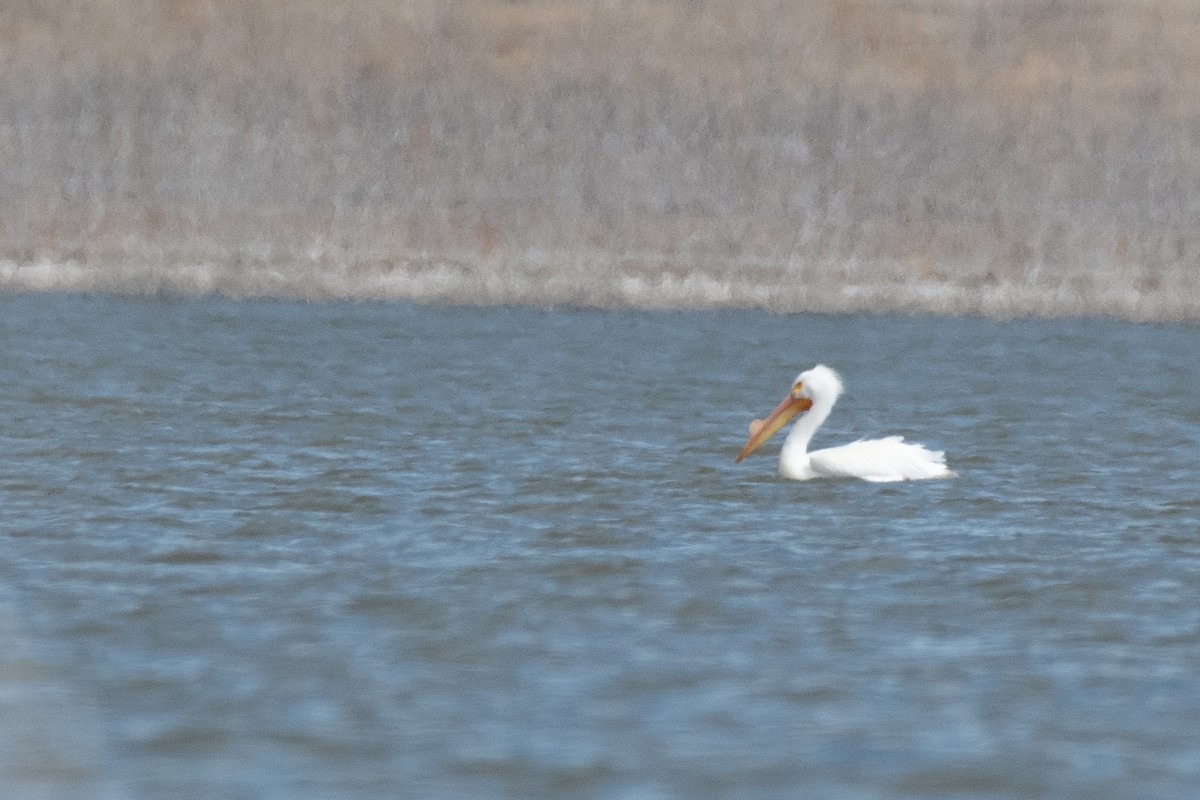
(961, 155)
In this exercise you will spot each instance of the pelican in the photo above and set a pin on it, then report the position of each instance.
(877, 460)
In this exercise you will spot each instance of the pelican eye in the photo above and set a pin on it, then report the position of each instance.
(796, 389)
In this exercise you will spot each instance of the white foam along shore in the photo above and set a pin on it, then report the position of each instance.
(564, 280)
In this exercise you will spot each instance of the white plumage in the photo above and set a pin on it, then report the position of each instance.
(815, 391)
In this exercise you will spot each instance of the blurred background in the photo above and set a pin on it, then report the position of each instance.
(992, 156)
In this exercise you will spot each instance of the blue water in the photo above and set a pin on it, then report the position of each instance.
(288, 550)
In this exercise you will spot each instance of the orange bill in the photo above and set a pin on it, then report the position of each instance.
(782, 415)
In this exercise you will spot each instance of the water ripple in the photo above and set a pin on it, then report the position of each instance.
(348, 550)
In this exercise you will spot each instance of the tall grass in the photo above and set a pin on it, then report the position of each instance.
(996, 157)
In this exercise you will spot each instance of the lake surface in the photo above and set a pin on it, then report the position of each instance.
(287, 550)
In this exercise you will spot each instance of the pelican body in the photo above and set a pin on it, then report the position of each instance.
(879, 460)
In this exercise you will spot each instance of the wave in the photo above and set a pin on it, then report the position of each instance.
(50, 744)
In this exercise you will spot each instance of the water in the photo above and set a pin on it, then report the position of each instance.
(286, 550)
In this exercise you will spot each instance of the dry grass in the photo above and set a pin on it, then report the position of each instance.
(923, 154)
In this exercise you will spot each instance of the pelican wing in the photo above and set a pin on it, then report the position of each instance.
(880, 460)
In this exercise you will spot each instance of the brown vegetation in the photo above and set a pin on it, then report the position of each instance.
(1002, 157)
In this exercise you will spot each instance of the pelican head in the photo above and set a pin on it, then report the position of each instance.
(819, 386)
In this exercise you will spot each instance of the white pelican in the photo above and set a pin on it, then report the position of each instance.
(880, 460)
